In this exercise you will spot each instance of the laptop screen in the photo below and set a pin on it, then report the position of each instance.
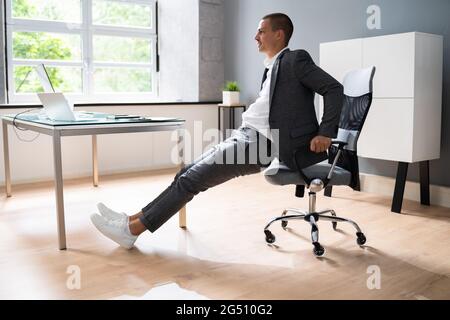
(44, 78)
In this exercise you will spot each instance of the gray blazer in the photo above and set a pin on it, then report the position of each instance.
(295, 79)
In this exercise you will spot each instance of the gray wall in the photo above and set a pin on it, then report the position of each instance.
(319, 21)
(211, 50)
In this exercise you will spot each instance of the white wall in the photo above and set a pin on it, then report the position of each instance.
(33, 161)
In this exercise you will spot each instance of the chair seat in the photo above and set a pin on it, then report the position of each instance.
(279, 174)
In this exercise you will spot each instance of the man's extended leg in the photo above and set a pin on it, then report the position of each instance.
(113, 215)
(227, 160)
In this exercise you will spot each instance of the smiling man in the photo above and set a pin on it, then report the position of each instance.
(284, 108)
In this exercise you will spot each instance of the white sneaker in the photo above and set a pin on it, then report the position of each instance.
(116, 230)
(111, 214)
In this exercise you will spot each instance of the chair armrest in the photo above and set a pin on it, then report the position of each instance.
(341, 144)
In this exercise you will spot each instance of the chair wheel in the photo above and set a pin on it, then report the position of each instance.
(270, 238)
(318, 249)
(334, 225)
(284, 224)
(361, 238)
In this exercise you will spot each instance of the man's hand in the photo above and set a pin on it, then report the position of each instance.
(320, 144)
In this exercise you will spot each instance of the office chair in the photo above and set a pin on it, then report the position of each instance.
(342, 167)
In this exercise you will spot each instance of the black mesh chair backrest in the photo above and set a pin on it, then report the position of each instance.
(356, 105)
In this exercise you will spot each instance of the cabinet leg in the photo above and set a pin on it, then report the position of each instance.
(425, 183)
(399, 191)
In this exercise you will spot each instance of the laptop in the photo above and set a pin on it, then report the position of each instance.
(56, 106)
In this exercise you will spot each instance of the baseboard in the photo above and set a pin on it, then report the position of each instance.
(88, 174)
(439, 195)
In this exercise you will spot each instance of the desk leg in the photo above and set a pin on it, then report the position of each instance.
(94, 161)
(180, 146)
(57, 163)
(6, 159)
(425, 183)
(399, 191)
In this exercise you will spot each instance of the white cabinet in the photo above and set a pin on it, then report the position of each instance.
(337, 58)
(394, 58)
(397, 130)
(404, 121)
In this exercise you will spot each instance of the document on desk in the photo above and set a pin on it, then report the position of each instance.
(137, 117)
(162, 119)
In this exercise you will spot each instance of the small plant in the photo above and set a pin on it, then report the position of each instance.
(231, 93)
(231, 86)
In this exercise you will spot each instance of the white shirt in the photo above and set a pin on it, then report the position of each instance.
(257, 115)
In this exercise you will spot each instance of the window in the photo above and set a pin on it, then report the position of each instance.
(94, 50)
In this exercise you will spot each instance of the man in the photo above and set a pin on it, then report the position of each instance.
(285, 105)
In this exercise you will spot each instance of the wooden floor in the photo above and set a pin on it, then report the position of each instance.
(222, 254)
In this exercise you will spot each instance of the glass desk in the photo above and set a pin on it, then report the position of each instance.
(93, 125)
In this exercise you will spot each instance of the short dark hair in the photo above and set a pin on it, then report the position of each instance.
(280, 21)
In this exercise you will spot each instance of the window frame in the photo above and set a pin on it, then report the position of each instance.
(87, 30)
